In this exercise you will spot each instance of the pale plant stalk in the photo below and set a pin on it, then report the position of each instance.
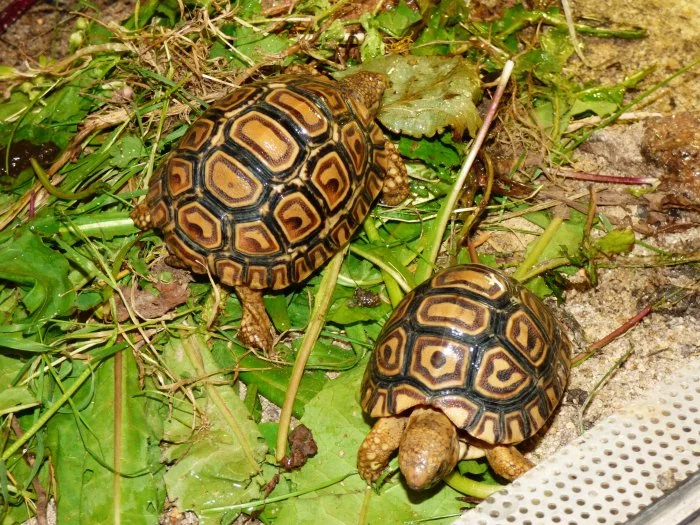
(318, 315)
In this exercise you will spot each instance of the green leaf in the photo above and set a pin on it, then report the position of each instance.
(443, 25)
(225, 450)
(433, 151)
(616, 241)
(398, 20)
(106, 455)
(335, 418)
(343, 311)
(41, 275)
(127, 150)
(12, 397)
(473, 466)
(428, 94)
(248, 45)
(272, 381)
(373, 44)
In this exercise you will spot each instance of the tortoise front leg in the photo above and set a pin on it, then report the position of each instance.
(395, 188)
(256, 329)
(508, 462)
(378, 447)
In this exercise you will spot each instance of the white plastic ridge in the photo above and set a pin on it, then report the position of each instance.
(617, 468)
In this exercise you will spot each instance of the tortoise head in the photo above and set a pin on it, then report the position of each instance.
(365, 87)
(429, 449)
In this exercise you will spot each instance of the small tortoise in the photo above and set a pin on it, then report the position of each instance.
(477, 361)
(271, 181)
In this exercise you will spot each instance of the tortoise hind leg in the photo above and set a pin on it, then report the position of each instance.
(378, 447)
(508, 462)
(141, 215)
(256, 329)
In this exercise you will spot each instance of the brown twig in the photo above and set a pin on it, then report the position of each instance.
(592, 349)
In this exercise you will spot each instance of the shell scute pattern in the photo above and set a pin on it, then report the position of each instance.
(269, 182)
(479, 346)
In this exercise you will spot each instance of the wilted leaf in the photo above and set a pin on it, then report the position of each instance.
(428, 94)
(217, 463)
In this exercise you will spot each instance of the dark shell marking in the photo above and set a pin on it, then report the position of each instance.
(477, 345)
(269, 182)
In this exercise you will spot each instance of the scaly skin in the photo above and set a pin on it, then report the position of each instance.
(508, 462)
(380, 444)
(429, 449)
(256, 330)
(367, 88)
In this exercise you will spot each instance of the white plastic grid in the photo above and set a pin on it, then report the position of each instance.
(614, 470)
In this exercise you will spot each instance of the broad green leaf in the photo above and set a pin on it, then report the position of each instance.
(616, 241)
(12, 397)
(344, 310)
(335, 418)
(106, 461)
(443, 26)
(428, 94)
(9, 368)
(41, 274)
(398, 20)
(566, 242)
(249, 45)
(218, 463)
(433, 151)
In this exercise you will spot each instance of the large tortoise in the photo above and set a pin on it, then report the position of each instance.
(469, 364)
(271, 181)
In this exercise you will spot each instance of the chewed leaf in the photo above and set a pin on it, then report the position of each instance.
(428, 94)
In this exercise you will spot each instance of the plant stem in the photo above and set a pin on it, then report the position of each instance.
(318, 315)
(375, 259)
(580, 358)
(600, 385)
(58, 193)
(583, 137)
(434, 237)
(72, 389)
(261, 502)
(392, 287)
(470, 487)
(538, 248)
(192, 346)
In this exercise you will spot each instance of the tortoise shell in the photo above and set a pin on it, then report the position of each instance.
(475, 344)
(269, 182)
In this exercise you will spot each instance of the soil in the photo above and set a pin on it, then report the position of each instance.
(45, 28)
(665, 339)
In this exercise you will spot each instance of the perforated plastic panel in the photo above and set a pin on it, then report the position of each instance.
(615, 469)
